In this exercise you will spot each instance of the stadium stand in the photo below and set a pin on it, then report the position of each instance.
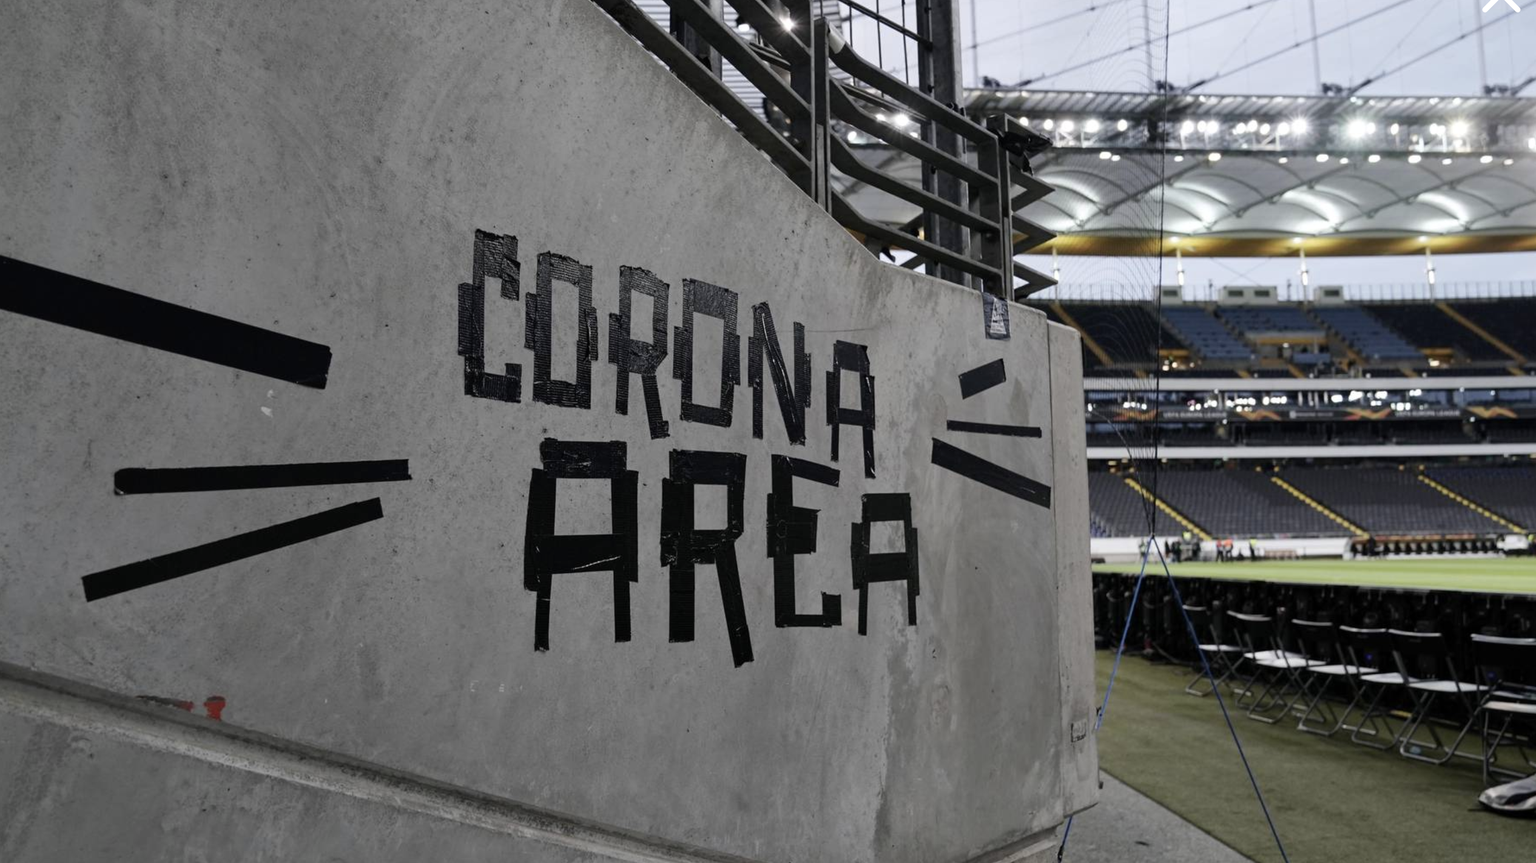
(1121, 511)
(1429, 328)
(1241, 503)
(1127, 332)
(1509, 321)
(1206, 336)
(1270, 320)
(1370, 338)
(1505, 490)
(1388, 501)
(1091, 363)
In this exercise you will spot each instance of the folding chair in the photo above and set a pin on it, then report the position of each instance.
(1257, 634)
(1369, 649)
(1429, 653)
(1222, 657)
(1319, 640)
(1508, 667)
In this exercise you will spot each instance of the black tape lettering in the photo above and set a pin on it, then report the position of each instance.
(792, 531)
(538, 336)
(982, 378)
(683, 545)
(974, 467)
(495, 257)
(636, 357)
(545, 554)
(71, 301)
(717, 302)
(794, 397)
(886, 566)
(847, 355)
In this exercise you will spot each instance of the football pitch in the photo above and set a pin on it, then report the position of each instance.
(1492, 575)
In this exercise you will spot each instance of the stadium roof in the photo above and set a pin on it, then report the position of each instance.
(1255, 175)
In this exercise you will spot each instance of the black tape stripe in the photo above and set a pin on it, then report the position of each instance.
(59, 298)
(121, 579)
(992, 428)
(148, 480)
(991, 475)
(982, 378)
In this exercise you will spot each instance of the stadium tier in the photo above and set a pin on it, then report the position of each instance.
(1302, 340)
(1120, 510)
(1368, 337)
(1338, 501)
(1241, 503)
(1206, 336)
(1503, 489)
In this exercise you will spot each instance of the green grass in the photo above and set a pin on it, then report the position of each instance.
(1331, 799)
(1494, 575)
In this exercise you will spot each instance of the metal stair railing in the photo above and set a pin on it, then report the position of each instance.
(968, 230)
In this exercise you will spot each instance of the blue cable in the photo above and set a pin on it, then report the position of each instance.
(1205, 663)
(1113, 671)
(1195, 639)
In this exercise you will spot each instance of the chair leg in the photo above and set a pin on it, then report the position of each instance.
(1379, 724)
(1319, 706)
(1422, 718)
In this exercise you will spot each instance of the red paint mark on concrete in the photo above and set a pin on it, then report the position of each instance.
(214, 705)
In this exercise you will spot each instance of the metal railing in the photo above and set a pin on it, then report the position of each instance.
(817, 90)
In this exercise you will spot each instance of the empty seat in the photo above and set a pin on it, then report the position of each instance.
(1205, 335)
(1389, 501)
(1242, 503)
(1506, 490)
(1123, 511)
(1270, 320)
(1426, 326)
(1509, 321)
(1127, 332)
(1370, 338)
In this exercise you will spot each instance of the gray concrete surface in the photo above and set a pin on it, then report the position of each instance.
(1129, 827)
(319, 170)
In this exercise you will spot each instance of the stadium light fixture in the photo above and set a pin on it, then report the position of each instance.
(1322, 157)
(1414, 158)
(1447, 160)
(1394, 128)
(1187, 128)
(1049, 124)
(1123, 125)
(900, 121)
(1357, 129)
(1105, 154)
(1284, 159)
(1300, 125)
(1343, 160)
(1283, 129)
(788, 22)
(1459, 129)
(1214, 157)
(1508, 162)
(1092, 126)
(1067, 126)
(1178, 158)
(1486, 159)
(1115, 158)
(1373, 158)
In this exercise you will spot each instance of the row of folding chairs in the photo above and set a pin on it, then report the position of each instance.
(1320, 664)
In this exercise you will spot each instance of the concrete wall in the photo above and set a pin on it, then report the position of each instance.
(319, 170)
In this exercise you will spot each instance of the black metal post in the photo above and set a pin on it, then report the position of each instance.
(939, 77)
(691, 40)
